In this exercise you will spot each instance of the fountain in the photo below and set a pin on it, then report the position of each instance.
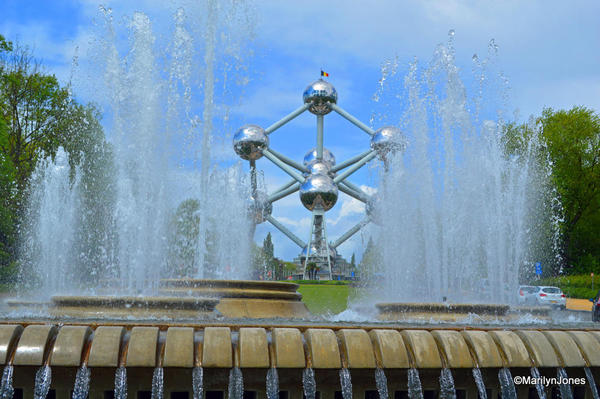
(140, 332)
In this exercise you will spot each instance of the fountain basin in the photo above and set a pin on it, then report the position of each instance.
(454, 312)
(182, 299)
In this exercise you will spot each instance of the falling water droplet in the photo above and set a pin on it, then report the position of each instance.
(381, 383)
(346, 383)
(236, 384)
(414, 384)
(535, 373)
(272, 384)
(157, 383)
(121, 383)
(198, 382)
(82, 383)
(309, 384)
(565, 389)
(43, 378)
(507, 386)
(479, 383)
(591, 382)
(6, 388)
(447, 390)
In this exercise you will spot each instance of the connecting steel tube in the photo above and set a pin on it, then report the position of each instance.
(355, 167)
(285, 231)
(350, 161)
(283, 166)
(350, 232)
(352, 119)
(345, 189)
(284, 193)
(284, 187)
(286, 119)
(320, 119)
(289, 161)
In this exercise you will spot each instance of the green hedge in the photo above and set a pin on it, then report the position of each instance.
(576, 286)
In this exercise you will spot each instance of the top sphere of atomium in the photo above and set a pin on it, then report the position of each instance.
(250, 141)
(388, 140)
(318, 191)
(319, 95)
(311, 157)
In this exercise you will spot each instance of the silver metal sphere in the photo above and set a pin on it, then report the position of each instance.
(318, 251)
(318, 191)
(250, 141)
(259, 207)
(320, 94)
(311, 157)
(388, 140)
(319, 168)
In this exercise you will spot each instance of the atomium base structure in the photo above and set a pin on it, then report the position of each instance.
(318, 179)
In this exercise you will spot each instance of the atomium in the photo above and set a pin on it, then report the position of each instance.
(388, 140)
(259, 207)
(318, 179)
(250, 141)
(318, 192)
(311, 157)
(319, 95)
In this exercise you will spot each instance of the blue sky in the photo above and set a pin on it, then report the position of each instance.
(548, 50)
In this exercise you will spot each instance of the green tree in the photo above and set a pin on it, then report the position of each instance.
(33, 107)
(572, 139)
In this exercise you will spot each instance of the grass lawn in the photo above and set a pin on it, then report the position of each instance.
(323, 299)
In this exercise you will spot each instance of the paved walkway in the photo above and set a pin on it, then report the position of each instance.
(579, 304)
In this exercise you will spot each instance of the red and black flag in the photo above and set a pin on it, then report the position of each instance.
(323, 73)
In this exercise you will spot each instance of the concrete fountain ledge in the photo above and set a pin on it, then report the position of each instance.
(452, 312)
(183, 299)
(319, 348)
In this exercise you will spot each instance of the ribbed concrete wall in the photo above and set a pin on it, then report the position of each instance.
(284, 347)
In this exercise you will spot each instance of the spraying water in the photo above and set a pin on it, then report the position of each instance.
(49, 232)
(167, 133)
(453, 207)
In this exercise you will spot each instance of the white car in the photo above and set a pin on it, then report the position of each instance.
(528, 294)
(552, 296)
